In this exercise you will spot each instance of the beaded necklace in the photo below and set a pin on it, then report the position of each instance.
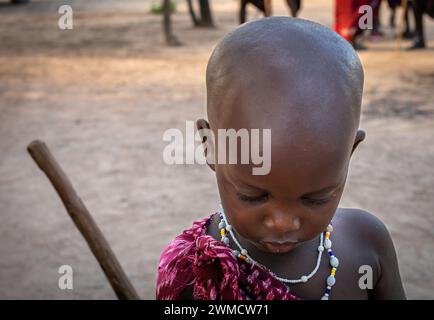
(242, 254)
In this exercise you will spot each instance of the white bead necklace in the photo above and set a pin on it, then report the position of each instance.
(225, 227)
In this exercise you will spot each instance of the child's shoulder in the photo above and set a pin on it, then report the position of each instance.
(364, 232)
(365, 238)
(363, 226)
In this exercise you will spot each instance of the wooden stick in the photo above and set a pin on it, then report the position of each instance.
(83, 220)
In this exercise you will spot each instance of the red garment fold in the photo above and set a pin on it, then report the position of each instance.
(197, 260)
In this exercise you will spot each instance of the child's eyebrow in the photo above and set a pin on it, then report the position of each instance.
(253, 187)
(323, 190)
(327, 189)
(236, 180)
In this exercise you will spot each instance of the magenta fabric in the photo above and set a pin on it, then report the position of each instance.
(195, 259)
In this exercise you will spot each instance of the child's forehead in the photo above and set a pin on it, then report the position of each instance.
(294, 117)
(291, 172)
(297, 151)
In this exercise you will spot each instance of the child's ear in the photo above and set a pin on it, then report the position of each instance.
(360, 136)
(202, 126)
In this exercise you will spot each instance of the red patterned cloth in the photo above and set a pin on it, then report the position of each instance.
(196, 260)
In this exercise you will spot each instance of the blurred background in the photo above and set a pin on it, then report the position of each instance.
(102, 94)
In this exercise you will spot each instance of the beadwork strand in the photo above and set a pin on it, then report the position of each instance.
(244, 252)
(225, 227)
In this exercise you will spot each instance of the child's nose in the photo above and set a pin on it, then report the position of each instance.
(282, 221)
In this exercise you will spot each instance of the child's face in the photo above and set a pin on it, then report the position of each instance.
(294, 203)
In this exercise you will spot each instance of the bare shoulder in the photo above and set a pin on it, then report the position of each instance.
(364, 226)
(371, 238)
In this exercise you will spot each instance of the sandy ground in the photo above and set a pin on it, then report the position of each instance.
(101, 96)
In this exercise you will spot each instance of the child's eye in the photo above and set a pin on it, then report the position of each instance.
(315, 202)
(261, 198)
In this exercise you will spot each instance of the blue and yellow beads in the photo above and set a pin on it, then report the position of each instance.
(334, 263)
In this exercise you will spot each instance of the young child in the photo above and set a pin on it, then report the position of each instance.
(282, 236)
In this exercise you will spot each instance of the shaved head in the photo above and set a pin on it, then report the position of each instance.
(285, 74)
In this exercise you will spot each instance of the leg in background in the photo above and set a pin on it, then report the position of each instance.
(418, 9)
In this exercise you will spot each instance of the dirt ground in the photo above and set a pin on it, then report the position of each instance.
(101, 96)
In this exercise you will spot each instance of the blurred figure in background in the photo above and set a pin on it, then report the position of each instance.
(347, 16)
(421, 7)
(376, 34)
(265, 6)
(259, 4)
(294, 6)
(393, 5)
(347, 20)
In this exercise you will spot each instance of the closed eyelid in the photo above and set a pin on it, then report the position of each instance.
(252, 199)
